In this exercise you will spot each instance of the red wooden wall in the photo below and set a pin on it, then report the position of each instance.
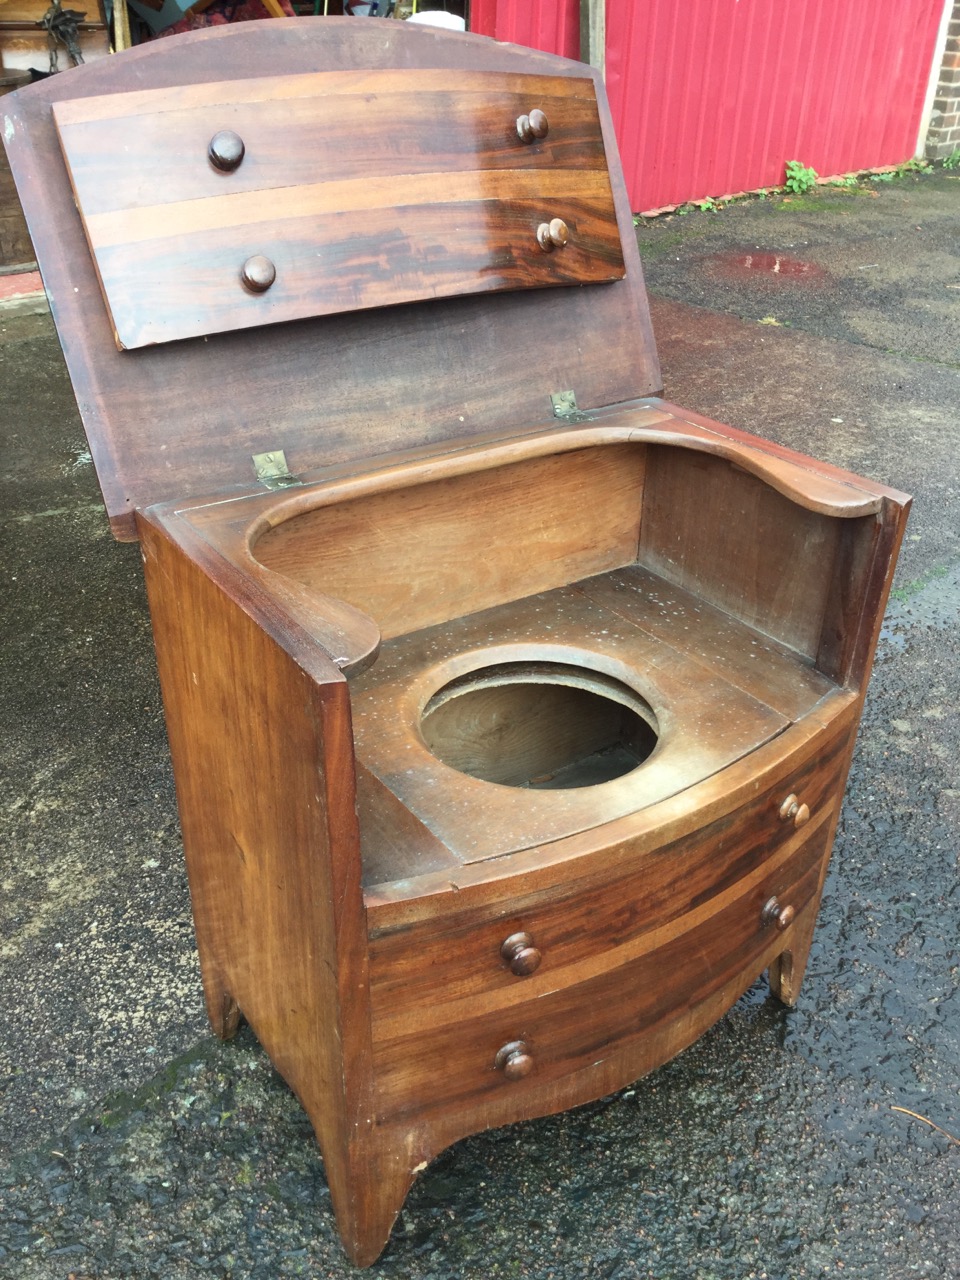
(710, 97)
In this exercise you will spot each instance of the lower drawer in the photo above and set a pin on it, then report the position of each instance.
(455, 957)
(655, 984)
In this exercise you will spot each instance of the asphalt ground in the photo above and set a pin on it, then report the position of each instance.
(134, 1144)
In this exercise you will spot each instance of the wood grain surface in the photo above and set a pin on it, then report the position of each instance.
(351, 211)
(451, 966)
(303, 129)
(255, 721)
(399, 555)
(570, 1026)
(704, 722)
(24, 47)
(749, 659)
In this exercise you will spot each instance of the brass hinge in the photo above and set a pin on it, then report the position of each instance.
(565, 407)
(272, 470)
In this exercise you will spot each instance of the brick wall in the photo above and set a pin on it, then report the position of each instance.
(944, 135)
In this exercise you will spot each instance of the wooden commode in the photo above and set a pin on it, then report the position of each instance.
(510, 706)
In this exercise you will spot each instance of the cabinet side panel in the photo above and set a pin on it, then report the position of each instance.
(263, 764)
(862, 576)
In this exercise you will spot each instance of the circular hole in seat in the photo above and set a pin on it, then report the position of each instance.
(544, 725)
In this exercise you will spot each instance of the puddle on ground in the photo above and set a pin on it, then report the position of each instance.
(932, 603)
(762, 263)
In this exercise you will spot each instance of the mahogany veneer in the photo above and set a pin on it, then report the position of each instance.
(510, 738)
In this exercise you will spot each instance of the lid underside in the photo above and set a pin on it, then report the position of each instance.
(393, 206)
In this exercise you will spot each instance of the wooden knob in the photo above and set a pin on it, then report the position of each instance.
(258, 273)
(514, 1060)
(773, 912)
(793, 811)
(520, 954)
(226, 150)
(552, 235)
(534, 125)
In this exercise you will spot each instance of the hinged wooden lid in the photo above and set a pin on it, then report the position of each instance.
(375, 187)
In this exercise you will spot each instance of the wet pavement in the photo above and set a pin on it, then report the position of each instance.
(873, 264)
(133, 1144)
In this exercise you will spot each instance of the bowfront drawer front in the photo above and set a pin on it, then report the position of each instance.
(649, 996)
(216, 207)
(525, 945)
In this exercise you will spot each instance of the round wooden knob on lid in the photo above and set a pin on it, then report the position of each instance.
(258, 273)
(532, 126)
(793, 811)
(226, 150)
(552, 235)
(514, 1060)
(520, 954)
(773, 913)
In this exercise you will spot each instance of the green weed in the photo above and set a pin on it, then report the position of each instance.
(915, 165)
(909, 589)
(800, 177)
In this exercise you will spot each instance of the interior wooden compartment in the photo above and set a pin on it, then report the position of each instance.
(704, 573)
(412, 557)
(416, 555)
